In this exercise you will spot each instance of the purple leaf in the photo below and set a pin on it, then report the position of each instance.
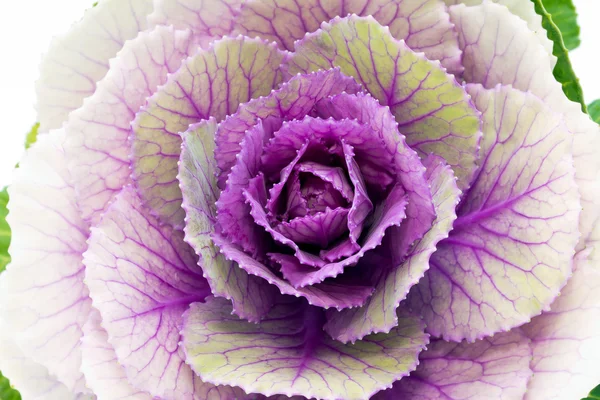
(295, 99)
(408, 167)
(333, 175)
(319, 229)
(251, 296)
(389, 214)
(256, 198)
(327, 294)
(320, 195)
(233, 214)
(295, 203)
(361, 204)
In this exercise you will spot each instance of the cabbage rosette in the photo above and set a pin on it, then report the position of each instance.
(312, 199)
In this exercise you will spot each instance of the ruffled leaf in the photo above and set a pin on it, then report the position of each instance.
(80, 58)
(233, 214)
(512, 245)
(43, 299)
(423, 24)
(294, 136)
(389, 214)
(361, 204)
(341, 250)
(328, 294)
(409, 170)
(256, 198)
(98, 133)
(295, 203)
(288, 177)
(251, 296)
(320, 195)
(207, 20)
(372, 153)
(566, 339)
(287, 353)
(495, 368)
(393, 284)
(431, 108)
(319, 229)
(333, 175)
(212, 83)
(142, 277)
(295, 99)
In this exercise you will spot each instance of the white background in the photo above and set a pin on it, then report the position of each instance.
(27, 26)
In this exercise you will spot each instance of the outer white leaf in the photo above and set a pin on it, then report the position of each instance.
(524, 10)
(31, 379)
(43, 299)
(79, 59)
(97, 144)
(566, 340)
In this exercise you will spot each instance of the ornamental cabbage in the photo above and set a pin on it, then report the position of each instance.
(364, 199)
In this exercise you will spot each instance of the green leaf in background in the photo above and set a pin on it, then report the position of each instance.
(594, 394)
(4, 233)
(31, 138)
(6, 391)
(594, 111)
(563, 72)
(564, 16)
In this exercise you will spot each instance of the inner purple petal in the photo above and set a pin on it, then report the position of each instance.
(324, 191)
(361, 205)
(334, 175)
(318, 229)
(296, 205)
(320, 195)
(277, 193)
